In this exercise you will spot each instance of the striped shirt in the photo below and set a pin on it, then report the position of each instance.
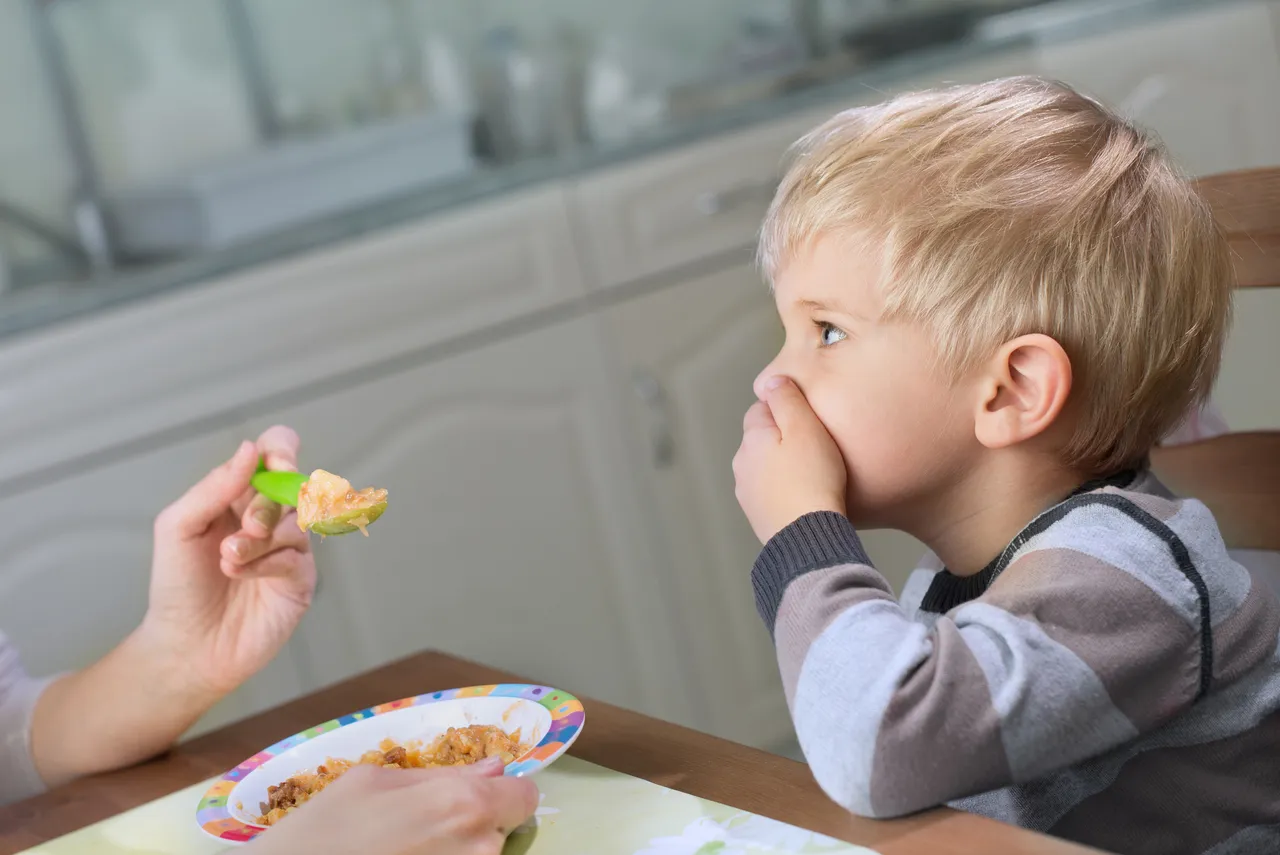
(1112, 678)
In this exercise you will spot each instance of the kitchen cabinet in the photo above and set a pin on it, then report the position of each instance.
(685, 206)
(698, 203)
(1207, 81)
(173, 364)
(77, 543)
(686, 358)
(511, 533)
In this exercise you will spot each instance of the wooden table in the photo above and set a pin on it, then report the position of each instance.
(626, 741)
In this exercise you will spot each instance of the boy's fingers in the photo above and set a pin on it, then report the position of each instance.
(758, 417)
(788, 406)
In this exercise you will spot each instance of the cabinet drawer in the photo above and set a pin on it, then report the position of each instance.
(676, 208)
(203, 352)
(673, 209)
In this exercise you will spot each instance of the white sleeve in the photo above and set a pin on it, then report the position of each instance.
(18, 693)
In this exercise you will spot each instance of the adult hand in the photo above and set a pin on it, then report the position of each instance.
(232, 574)
(375, 811)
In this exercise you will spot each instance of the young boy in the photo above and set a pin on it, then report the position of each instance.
(997, 299)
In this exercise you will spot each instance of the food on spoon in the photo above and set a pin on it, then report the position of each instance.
(327, 505)
(460, 746)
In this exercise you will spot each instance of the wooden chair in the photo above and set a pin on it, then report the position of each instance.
(1237, 475)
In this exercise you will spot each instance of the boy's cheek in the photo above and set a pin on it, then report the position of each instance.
(855, 503)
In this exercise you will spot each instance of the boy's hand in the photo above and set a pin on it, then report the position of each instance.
(232, 573)
(788, 465)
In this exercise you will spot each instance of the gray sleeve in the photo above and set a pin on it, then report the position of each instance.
(18, 694)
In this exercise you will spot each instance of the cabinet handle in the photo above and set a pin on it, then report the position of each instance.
(710, 203)
(661, 439)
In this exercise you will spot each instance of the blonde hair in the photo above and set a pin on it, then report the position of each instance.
(1020, 206)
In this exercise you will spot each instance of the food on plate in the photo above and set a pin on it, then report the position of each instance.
(328, 505)
(458, 746)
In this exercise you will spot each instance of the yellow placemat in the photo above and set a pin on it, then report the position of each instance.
(585, 808)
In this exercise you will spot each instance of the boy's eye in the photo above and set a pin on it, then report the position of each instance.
(830, 334)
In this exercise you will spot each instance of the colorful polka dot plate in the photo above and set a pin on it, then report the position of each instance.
(548, 718)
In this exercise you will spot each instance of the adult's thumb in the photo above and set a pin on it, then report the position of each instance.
(212, 496)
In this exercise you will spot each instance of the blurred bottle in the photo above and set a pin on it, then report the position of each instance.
(509, 83)
(624, 96)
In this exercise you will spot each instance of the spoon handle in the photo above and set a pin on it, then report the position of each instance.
(280, 487)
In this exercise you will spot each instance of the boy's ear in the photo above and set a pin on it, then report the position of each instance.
(1022, 390)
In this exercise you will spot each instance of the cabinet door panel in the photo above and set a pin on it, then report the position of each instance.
(693, 351)
(510, 535)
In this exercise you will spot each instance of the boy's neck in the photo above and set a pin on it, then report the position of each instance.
(975, 520)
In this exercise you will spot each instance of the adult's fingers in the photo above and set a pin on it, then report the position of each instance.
(510, 801)
(278, 449)
(244, 546)
(260, 517)
(211, 497)
(472, 798)
(278, 446)
(281, 564)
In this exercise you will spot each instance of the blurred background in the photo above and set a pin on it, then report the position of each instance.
(496, 256)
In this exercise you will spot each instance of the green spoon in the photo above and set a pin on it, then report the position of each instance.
(283, 487)
(280, 487)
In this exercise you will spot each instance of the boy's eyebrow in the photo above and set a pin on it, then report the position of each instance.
(825, 306)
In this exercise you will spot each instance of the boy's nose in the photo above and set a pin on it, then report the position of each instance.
(773, 369)
(757, 385)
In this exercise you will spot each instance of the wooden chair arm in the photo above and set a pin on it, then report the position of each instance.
(1237, 475)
